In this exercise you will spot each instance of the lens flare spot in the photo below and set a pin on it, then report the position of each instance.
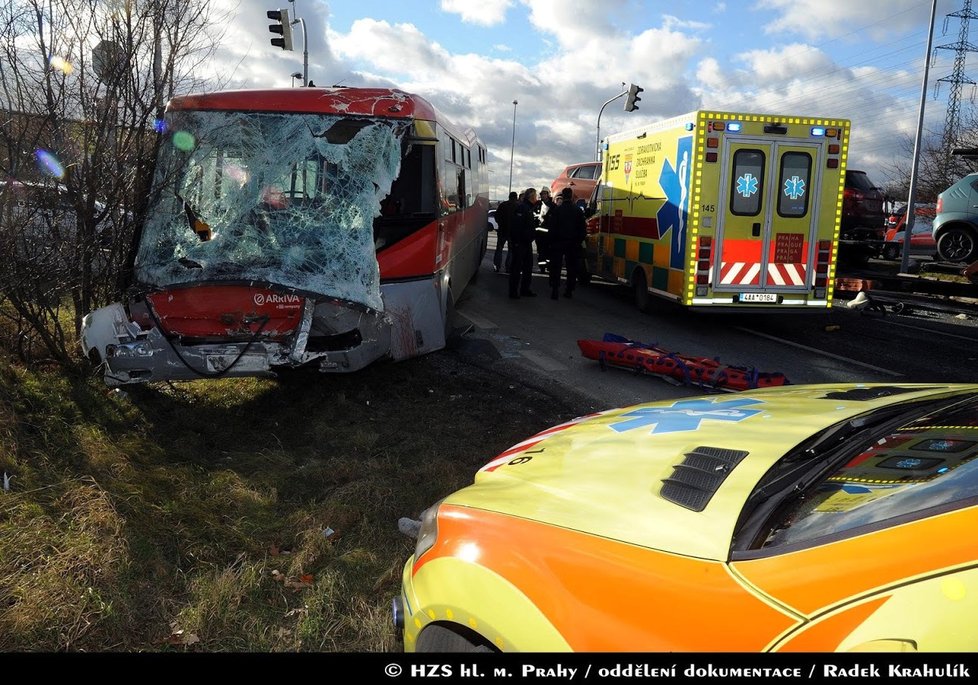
(61, 64)
(954, 589)
(159, 126)
(183, 141)
(49, 164)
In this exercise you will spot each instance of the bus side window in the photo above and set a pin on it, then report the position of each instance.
(462, 199)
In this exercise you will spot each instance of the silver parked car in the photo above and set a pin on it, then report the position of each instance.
(956, 223)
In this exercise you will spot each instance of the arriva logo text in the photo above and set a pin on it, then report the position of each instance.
(272, 298)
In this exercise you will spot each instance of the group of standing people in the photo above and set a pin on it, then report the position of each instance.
(558, 228)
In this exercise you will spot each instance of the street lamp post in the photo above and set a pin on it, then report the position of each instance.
(512, 149)
(597, 135)
(908, 227)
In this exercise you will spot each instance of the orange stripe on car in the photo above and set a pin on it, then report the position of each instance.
(868, 563)
(605, 595)
(827, 635)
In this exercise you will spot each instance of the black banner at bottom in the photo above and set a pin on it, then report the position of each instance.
(482, 669)
(681, 668)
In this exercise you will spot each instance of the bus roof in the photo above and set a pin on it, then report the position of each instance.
(386, 102)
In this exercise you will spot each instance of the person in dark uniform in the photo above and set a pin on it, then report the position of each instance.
(504, 217)
(521, 234)
(544, 206)
(567, 229)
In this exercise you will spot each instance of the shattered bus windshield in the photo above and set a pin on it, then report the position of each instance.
(285, 199)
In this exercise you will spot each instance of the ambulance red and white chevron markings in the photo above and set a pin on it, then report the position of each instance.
(740, 273)
(748, 273)
(786, 274)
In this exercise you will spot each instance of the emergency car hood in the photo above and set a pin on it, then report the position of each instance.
(603, 474)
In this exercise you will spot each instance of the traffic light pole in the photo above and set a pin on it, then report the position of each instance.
(305, 53)
(597, 137)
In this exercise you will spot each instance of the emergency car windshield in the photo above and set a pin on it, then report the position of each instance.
(286, 199)
(929, 462)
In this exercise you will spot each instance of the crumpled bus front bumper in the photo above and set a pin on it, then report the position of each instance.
(131, 354)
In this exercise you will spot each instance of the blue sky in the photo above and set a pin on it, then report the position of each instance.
(561, 59)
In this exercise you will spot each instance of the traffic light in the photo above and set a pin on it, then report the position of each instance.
(282, 28)
(632, 98)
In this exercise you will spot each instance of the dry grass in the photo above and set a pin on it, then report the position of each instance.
(196, 516)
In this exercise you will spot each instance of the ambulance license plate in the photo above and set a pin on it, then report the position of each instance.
(759, 297)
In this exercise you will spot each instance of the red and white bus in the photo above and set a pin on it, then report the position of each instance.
(329, 227)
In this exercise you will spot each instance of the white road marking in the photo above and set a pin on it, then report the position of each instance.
(479, 322)
(895, 374)
(545, 362)
(932, 332)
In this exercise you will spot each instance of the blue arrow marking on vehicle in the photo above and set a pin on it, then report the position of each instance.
(794, 187)
(686, 415)
(747, 185)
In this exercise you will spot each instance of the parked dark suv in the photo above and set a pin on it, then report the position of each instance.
(956, 223)
(863, 219)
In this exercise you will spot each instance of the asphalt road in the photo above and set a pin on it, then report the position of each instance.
(536, 340)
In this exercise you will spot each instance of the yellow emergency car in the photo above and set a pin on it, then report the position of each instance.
(802, 518)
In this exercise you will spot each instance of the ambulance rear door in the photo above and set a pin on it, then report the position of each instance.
(769, 220)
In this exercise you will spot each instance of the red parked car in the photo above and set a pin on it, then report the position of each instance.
(922, 241)
(581, 178)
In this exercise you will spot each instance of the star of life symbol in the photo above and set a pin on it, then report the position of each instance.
(794, 187)
(747, 185)
(686, 415)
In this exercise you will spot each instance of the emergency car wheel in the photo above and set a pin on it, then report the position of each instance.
(640, 288)
(438, 638)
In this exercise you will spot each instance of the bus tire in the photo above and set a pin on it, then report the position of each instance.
(479, 256)
(640, 289)
(449, 315)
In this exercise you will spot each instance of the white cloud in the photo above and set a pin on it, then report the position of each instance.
(670, 22)
(787, 63)
(588, 49)
(575, 23)
(710, 76)
(820, 19)
(481, 12)
(370, 40)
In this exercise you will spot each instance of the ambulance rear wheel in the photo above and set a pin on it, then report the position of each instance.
(640, 287)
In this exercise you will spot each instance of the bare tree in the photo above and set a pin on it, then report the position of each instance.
(83, 86)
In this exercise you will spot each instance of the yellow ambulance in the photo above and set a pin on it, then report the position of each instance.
(722, 210)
